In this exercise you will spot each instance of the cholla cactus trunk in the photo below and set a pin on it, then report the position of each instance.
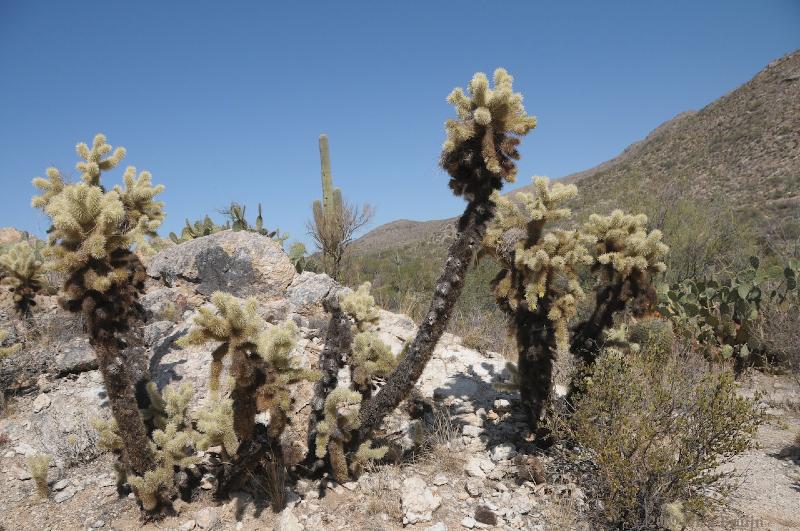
(114, 320)
(337, 344)
(471, 228)
(536, 346)
(609, 300)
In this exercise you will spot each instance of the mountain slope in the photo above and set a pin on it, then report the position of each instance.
(742, 150)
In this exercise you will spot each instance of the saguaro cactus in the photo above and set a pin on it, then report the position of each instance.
(329, 223)
(331, 205)
(479, 155)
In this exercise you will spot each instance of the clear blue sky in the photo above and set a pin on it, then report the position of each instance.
(224, 101)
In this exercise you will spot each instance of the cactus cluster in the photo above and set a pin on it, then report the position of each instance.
(172, 444)
(721, 313)
(539, 285)
(24, 275)
(368, 358)
(263, 370)
(198, 229)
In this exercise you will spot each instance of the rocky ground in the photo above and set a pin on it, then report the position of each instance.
(468, 461)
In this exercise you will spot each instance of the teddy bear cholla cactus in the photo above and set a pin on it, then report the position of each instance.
(23, 276)
(479, 156)
(628, 257)
(368, 358)
(262, 368)
(538, 286)
(90, 244)
(172, 444)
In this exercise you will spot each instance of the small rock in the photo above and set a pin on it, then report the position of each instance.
(188, 525)
(471, 431)
(64, 495)
(289, 522)
(485, 515)
(75, 357)
(418, 501)
(207, 483)
(473, 468)
(98, 524)
(438, 526)
(501, 405)
(24, 449)
(41, 402)
(206, 518)
(468, 522)
(440, 479)
(474, 487)
(350, 485)
(61, 485)
(21, 474)
(502, 452)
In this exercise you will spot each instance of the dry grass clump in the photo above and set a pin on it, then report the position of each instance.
(37, 466)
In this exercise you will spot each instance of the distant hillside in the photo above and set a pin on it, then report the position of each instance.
(742, 150)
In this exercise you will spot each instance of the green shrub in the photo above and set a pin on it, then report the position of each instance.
(725, 314)
(656, 426)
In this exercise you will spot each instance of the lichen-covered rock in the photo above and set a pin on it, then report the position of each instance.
(307, 290)
(243, 263)
(76, 356)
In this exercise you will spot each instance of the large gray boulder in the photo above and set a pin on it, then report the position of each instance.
(245, 264)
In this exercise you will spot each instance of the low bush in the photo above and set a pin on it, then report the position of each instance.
(656, 426)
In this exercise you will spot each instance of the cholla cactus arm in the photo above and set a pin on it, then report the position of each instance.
(366, 454)
(86, 224)
(370, 358)
(234, 322)
(338, 342)
(628, 259)
(360, 305)
(38, 465)
(23, 276)
(50, 187)
(624, 244)
(176, 403)
(275, 347)
(155, 415)
(93, 162)
(142, 211)
(215, 423)
(341, 418)
(108, 434)
(148, 486)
